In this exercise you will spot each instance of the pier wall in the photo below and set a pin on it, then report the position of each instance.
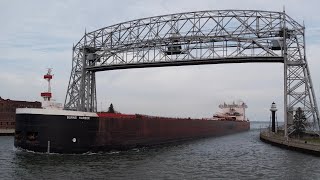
(289, 143)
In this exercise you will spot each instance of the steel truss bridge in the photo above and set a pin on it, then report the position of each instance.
(195, 38)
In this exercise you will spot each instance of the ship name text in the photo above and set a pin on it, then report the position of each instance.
(79, 117)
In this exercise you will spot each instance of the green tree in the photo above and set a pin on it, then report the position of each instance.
(111, 109)
(299, 123)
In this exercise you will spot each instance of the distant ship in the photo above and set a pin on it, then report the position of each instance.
(52, 129)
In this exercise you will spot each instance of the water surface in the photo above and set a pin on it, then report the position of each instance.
(238, 156)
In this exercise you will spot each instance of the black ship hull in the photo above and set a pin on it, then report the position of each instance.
(55, 133)
(82, 132)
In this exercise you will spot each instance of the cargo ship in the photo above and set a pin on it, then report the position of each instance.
(54, 130)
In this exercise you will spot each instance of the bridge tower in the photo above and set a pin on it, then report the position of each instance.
(194, 38)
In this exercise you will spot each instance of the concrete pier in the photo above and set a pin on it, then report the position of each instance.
(310, 146)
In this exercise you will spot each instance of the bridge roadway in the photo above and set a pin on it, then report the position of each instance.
(225, 60)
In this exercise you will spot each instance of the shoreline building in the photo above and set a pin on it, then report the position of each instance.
(8, 112)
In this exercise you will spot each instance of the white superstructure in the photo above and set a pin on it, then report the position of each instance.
(234, 111)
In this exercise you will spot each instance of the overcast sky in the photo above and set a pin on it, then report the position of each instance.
(35, 35)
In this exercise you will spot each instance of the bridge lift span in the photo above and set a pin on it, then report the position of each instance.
(195, 38)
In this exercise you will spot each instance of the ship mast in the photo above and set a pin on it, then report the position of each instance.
(47, 95)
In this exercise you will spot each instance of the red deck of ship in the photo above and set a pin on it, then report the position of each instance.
(117, 129)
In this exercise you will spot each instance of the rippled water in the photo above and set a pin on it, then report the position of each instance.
(239, 156)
